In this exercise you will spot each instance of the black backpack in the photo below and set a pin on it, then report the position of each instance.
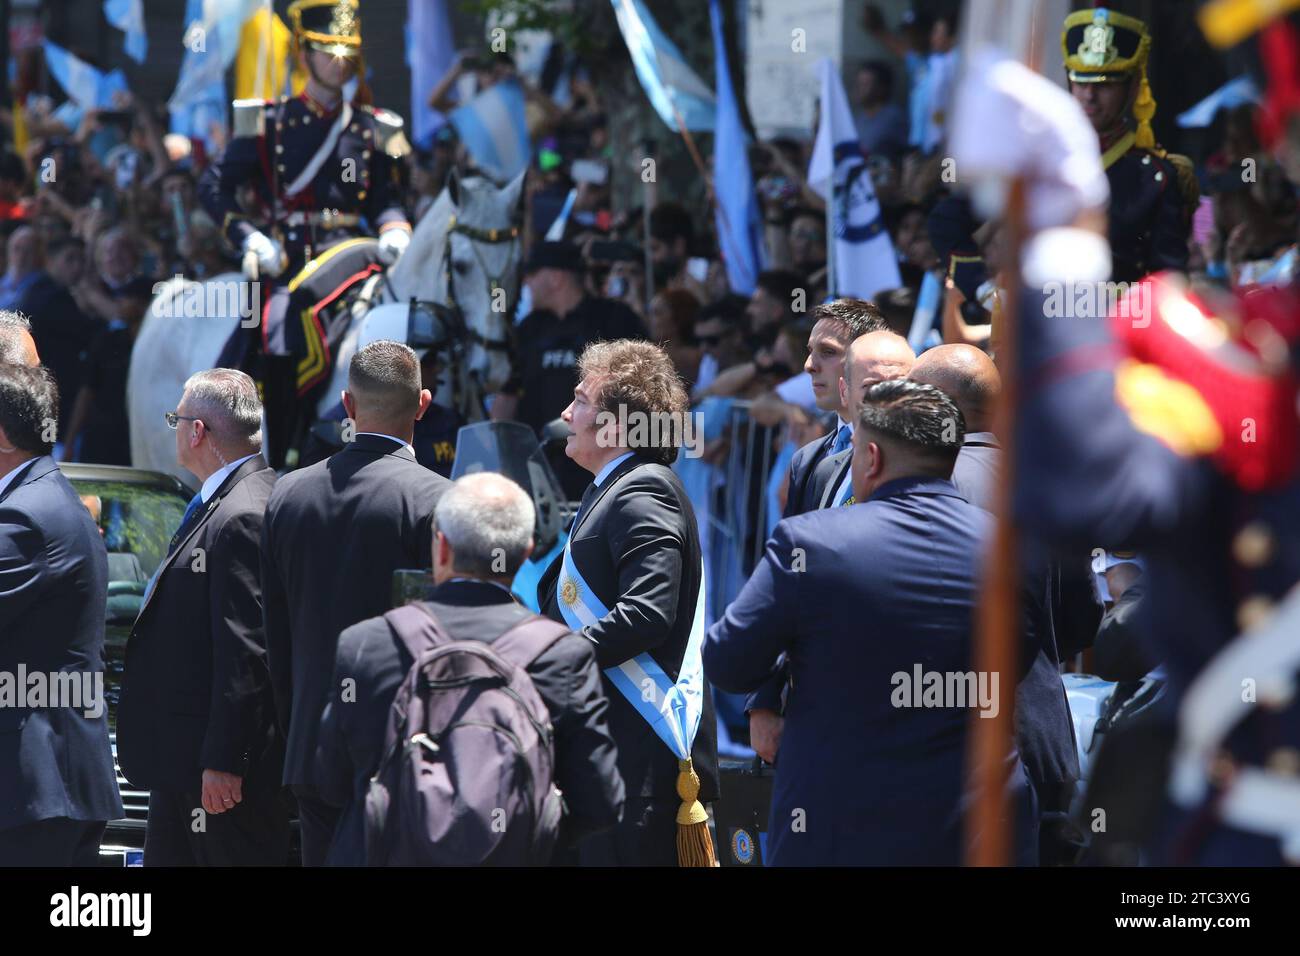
(466, 778)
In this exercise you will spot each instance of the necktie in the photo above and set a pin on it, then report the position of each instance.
(586, 500)
(195, 503)
(843, 439)
(190, 509)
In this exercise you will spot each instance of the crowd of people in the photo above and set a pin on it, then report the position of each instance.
(698, 606)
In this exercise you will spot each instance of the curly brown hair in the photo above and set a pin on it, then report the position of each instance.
(640, 378)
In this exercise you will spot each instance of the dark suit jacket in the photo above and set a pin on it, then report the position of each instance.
(1044, 729)
(800, 496)
(566, 678)
(196, 694)
(871, 782)
(811, 468)
(333, 536)
(637, 545)
(54, 761)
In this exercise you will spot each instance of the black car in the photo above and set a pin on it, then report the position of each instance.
(137, 511)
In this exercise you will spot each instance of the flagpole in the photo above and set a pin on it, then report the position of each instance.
(648, 199)
(998, 624)
(832, 273)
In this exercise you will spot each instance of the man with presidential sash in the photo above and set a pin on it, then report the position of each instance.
(631, 580)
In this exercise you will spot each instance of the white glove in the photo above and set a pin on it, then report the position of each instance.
(268, 254)
(392, 243)
(1009, 121)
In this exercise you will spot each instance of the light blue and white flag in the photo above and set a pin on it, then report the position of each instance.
(89, 88)
(738, 220)
(128, 16)
(211, 42)
(429, 54)
(863, 261)
(556, 232)
(675, 90)
(1230, 94)
(495, 131)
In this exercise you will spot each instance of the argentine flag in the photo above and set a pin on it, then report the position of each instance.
(86, 86)
(863, 262)
(673, 87)
(128, 16)
(494, 130)
(739, 223)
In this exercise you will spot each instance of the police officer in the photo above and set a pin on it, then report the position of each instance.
(323, 171)
(1153, 193)
(565, 319)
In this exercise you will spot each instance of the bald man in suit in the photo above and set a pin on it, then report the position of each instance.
(968, 376)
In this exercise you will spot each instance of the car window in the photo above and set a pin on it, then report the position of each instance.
(137, 522)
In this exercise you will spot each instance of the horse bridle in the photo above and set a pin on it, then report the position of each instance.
(476, 235)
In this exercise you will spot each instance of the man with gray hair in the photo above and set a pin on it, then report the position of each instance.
(196, 723)
(334, 534)
(17, 347)
(484, 533)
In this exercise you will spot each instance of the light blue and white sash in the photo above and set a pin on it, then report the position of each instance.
(671, 709)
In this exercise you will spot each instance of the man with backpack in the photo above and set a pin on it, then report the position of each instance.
(457, 760)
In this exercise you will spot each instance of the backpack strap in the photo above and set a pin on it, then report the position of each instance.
(529, 639)
(417, 627)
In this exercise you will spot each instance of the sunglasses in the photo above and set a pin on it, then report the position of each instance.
(173, 419)
(708, 341)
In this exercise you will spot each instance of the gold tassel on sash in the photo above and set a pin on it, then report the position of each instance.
(694, 843)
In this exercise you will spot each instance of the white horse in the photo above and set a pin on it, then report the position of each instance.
(464, 253)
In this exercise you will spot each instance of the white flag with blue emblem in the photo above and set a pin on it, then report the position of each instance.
(495, 131)
(86, 86)
(864, 261)
(128, 16)
(675, 90)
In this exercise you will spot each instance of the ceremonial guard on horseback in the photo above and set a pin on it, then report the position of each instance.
(301, 189)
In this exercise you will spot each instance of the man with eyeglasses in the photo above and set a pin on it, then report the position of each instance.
(196, 723)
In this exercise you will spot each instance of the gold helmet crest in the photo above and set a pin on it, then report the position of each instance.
(331, 26)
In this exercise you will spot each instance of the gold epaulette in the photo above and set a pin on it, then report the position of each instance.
(1188, 184)
(1166, 408)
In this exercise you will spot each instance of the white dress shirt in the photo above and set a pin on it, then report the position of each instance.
(221, 474)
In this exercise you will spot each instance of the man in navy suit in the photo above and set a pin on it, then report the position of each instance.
(872, 769)
(57, 786)
(836, 325)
